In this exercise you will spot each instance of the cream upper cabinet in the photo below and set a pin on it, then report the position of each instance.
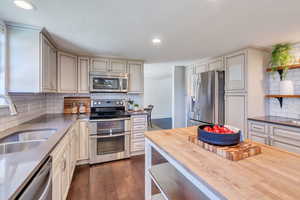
(136, 77)
(99, 65)
(118, 66)
(53, 69)
(31, 59)
(235, 72)
(67, 73)
(235, 111)
(245, 89)
(49, 66)
(83, 75)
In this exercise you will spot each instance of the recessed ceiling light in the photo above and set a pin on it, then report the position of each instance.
(24, 4)
(156, 41)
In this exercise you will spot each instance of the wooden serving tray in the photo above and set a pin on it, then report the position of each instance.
(237, 152)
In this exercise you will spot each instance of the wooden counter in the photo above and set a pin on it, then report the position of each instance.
(274, 174)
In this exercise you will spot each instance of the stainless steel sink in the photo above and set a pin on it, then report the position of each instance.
(13, 147)
(29, 135)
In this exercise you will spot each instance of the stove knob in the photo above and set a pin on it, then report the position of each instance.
(117, 102)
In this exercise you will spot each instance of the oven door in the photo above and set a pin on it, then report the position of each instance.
(110, 147)
(109, 139)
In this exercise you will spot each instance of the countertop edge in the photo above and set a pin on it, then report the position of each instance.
(274, 122)
(214, 191)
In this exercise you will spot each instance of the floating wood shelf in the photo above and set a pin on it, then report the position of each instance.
(280, 97)
(296, 66)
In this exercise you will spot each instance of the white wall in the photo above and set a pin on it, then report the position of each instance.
(158, 89)
(178, 98)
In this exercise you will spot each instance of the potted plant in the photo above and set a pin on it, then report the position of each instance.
(130, 104)
(281, 56)
(136, 107)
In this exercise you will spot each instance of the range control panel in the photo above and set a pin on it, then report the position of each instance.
(107, 103)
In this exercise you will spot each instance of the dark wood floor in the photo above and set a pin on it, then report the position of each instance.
(119, 180)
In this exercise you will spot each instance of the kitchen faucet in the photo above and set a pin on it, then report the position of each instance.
(11, 105)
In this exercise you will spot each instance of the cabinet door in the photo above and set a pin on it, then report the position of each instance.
(136, 77)
(286, 144)
(99, 65)
(118, 66)
(65, 167)
(45, 56)
(83, 75)
(235, 111)
(53, 70)
(56, 184)
(235, 69)
(67, 73)
(84, 141)
(73, 152)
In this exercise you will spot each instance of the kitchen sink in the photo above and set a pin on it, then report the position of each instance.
(13, 147)
(29, 135)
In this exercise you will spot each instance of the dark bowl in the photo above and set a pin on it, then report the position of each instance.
(218, 139)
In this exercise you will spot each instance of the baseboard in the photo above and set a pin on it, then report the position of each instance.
(136, 153)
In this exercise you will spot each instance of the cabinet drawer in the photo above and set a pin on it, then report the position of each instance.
(286, 132)
(138, 146)
(286, 144)
(257, 137)
(137, 135)
(137, 127)
(257, 127)
(139, 119)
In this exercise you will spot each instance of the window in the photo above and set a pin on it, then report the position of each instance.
(3, 102)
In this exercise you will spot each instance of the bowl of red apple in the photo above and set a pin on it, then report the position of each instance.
(221, 135)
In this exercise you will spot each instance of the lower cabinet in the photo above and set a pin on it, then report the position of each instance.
(83, 141)
(284, 137)
(61, 168)
(64, 159)
(138, 128)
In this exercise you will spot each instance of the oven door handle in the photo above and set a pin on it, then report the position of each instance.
(109, 136)
(106, 120)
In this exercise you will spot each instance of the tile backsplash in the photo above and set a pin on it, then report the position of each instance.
(291, 106)
(55, 102)
(29, 106)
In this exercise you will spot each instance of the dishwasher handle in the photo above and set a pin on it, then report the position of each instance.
(48, 188)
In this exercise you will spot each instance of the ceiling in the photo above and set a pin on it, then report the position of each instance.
(189, 29)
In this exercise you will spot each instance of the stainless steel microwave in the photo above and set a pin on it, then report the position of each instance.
(109, 82)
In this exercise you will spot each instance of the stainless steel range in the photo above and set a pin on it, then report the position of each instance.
(109, 131)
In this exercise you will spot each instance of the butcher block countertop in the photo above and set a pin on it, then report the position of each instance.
(274, 174)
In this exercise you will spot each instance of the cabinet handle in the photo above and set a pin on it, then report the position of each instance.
(64, 165)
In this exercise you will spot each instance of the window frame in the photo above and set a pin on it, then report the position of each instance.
(3, 65)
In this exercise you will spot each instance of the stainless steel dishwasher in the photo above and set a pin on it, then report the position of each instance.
(40, 187)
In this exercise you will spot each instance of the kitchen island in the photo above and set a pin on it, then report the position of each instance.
(191, 172)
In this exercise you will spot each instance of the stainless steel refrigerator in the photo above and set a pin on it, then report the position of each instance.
(207, 104)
